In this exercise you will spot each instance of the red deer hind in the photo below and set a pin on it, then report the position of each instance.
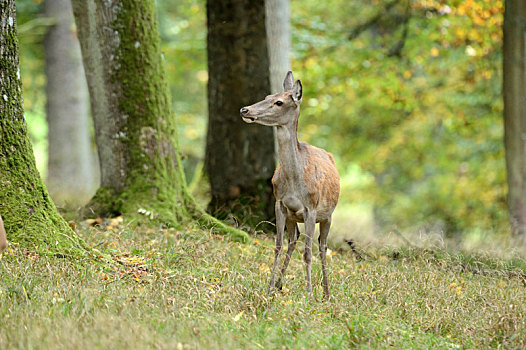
(306, 182)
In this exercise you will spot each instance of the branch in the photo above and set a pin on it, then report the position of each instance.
(372, 21)
(396, 49)
(30, 25)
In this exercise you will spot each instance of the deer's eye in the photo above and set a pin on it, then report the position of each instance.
(279, 103)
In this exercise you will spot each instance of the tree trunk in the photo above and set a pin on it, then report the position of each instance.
(29, 215)
(70, 166)
(514, 88)
(278, 40)
(135, 129)
(240, 158)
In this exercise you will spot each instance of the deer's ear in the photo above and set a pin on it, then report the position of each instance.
(288, 82)
(297, 91)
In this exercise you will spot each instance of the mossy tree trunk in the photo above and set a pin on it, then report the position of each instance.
(514, 93)
(240, 158)
(29, 215)
(135, 128)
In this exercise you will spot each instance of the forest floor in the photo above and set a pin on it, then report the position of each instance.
(187, 289)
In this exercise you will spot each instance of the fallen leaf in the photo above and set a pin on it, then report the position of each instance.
(238, 316)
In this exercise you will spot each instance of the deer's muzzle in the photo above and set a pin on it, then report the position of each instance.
(247, 119)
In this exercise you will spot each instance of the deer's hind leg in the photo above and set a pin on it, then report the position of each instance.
(310, 226)
(324, 233)
(294, 232)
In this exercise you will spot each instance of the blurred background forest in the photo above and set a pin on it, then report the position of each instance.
(405, 94)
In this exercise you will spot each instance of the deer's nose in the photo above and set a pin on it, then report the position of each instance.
(243, 111)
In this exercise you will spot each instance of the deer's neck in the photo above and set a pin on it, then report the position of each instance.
(288, 151)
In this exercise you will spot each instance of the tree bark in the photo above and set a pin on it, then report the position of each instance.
(135, 129)
(71, 177)
(514, 88)
(28, 213)
(240, 158)
(278, 40)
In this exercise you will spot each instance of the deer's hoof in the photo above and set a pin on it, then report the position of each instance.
(279, 286)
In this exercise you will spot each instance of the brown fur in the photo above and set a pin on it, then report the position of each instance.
(3, 238)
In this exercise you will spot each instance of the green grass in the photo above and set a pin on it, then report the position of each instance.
(189, 289)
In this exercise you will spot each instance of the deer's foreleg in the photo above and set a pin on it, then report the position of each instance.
(294, 232)
(280, 228)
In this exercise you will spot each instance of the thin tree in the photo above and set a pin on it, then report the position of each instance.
(278, 40)
(514, 87)
(135, 129)
(28, 213)
(240, 158)
(70, 176)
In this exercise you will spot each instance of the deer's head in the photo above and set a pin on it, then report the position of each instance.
(278, 109)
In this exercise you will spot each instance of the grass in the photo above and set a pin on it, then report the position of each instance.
(189, 289)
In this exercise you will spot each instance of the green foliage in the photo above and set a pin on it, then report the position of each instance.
(31, 30)
(427, 122)
(182, 25)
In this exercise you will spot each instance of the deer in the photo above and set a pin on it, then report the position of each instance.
(306, 183)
